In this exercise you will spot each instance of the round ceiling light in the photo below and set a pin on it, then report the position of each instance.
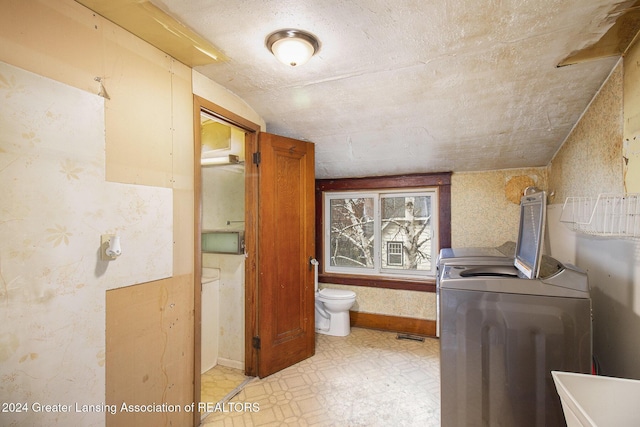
(292, 47)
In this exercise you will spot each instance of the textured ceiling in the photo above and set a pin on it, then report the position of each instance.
(408, 86)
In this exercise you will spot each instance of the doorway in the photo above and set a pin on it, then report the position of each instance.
(222, 160)
(279, 239)
(223, 240)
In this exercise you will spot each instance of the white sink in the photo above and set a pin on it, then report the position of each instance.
(591, 400)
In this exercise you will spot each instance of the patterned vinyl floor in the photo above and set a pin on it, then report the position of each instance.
(369, 378)
(218, 382)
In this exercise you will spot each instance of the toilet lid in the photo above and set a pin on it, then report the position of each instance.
(336, 294)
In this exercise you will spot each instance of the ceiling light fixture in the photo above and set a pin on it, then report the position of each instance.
(292, 47)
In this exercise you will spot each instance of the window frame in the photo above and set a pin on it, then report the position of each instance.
(379, 267)
(382, 183)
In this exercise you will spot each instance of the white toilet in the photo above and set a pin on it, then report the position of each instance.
(332, 311)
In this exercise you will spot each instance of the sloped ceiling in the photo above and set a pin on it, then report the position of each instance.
(408, 86)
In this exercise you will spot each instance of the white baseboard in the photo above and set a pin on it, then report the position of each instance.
(236, 364)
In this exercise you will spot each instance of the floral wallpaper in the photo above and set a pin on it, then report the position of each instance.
(590, 161)
(55, 205)
(485, 207)
(391, 302)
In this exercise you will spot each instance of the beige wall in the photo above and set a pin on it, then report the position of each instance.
(590, 162)
(391, 302)
(55, 205)
(223, 200)
(631, 141)
(146, 158)
(219, 95)
(145, 174)
(485, 205)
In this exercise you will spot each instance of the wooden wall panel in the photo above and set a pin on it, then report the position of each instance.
(150, 351)
(56, 39)
(139, 114)
(398, 324)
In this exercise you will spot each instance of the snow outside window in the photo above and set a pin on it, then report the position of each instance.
(388, 233)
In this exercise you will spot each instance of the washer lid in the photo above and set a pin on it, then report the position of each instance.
(569, 282)
(336, 294)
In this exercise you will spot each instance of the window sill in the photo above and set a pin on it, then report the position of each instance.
(422, 285)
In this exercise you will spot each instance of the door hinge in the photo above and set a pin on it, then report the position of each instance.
(255, 342)
(256, 158)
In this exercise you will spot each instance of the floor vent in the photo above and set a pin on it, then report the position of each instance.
(410, 337)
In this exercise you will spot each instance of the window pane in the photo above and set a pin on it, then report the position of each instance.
(395, 253)
(352, 232)
(406, 233)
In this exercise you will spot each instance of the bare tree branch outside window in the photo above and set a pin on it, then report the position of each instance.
(408, 219)
(404, 219)
(352, 232)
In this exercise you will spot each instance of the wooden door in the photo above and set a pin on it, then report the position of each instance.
(286, 242)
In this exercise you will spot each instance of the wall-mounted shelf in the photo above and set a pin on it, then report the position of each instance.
(611, 215)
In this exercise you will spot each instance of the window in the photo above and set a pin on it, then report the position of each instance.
(390, 233)
(395, 253)
(387, 230)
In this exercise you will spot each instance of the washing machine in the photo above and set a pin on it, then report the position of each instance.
(472, 256)
(505, 326)
(501, 336)
(501, 255)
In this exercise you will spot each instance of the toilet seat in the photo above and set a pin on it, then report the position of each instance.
(336, 294)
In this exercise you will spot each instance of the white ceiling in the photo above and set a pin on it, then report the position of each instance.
(408, 86)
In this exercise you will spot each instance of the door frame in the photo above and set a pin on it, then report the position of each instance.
(251, 237)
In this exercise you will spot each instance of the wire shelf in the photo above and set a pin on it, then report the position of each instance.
(607, 215)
